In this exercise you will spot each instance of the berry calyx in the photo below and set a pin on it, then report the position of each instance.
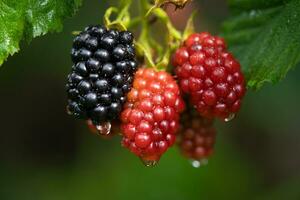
(102, 74)
(150, 117)
(196, 137)
(210, 75)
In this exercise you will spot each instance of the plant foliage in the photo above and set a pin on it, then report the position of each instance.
(265, 36)
(27, 19)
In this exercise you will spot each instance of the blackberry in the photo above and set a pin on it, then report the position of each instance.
(196, 136)
(150, 117)
(210, 75)
(102, 74)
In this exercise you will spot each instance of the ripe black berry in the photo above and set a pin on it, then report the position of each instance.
(84, 87)
(126, 37)
(102, 74)
(105, 99)
(102, 85)
(116, 93)
(73, 93)
(102, 55)
(96, 31)
(99, 112)
(94, 77)
(92, 43)
(90, 100)
(108, 41)
(122, 66)
(84, 54)
(119, 52)
(115, 108)
(108, 70)
(81, 69)
(75, 78)
(93, 65)
(113, 33)
(117, 80)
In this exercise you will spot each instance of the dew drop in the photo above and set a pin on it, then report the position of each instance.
(195, 163)
(149, 163)
(199, 163)
(104, 128)
(68, 111)
(89, 122)
(252, 13)
(230, 117)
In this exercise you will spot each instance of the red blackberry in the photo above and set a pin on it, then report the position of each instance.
(211, 75)
(150, 117)
(104, 65)
(196, 136)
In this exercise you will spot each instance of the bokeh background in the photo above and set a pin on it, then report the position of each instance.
(46, 154)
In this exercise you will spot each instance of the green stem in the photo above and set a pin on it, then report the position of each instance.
(134, 22)
(147, 47)
(143, 41)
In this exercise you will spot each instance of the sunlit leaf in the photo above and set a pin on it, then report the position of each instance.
(265, 36)
(24, 20)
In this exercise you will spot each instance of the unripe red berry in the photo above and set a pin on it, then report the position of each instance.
(196, 137)
(210, 75)
(150, 117)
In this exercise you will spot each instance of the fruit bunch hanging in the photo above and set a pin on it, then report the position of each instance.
(153, 93)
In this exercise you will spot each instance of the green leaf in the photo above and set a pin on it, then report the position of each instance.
(190, 27)
(265, 36)
(27, 19)
(142, 49)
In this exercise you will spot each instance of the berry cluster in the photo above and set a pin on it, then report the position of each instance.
(102, 74)
(105, 88)
(196, 136)
(150, 118)
(210, 75)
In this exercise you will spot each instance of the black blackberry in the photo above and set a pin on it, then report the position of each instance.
(102, 74)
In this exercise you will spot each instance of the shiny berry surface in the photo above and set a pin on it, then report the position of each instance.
(150, 117)
(210, 75)
(115, 129)
(104, 66)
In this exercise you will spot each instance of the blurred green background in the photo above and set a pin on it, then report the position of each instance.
(45, 154)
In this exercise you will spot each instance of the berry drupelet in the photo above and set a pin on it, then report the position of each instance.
(102, 74)
(150, 118)
(196, 136)
(210, 75)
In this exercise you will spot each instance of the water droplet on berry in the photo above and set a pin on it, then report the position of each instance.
(230, 117)
(68, 111)
(149, 163)
(252, 13)
(199, 163)
(104, 128)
